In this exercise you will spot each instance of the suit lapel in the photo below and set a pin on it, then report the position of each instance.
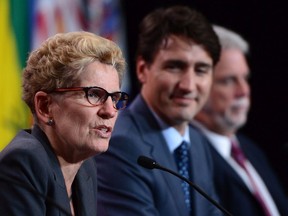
(159, 151)
(54, 165)
(223, 165)
(85, 193)
(165, 159)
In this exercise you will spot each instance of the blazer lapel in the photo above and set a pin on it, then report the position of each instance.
(152, 136)
(85, 193)
(166, 159)
(228, 169)
(54, 165)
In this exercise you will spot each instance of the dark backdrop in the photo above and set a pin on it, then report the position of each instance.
(264, 26)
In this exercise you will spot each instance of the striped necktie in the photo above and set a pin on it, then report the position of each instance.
(238, 155)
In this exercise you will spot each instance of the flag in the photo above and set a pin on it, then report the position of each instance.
(24, 25)
(14, 114)
(106, 18)
(53, 16)
(102, 17)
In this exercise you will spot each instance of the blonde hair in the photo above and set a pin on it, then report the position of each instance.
(61, 59)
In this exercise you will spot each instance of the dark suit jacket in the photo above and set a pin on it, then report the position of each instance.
(233, 193)
(29, 171)
(126, 188)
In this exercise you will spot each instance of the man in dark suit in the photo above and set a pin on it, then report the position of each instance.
(244, 180)
(177, 50)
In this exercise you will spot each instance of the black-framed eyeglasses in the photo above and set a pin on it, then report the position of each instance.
(97, 96)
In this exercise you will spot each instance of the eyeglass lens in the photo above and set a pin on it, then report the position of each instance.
(98, 96)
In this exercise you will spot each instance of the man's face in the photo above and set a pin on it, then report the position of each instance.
(177, 83)
(229, 100)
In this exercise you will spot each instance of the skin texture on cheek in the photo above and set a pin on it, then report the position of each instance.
(173, 87)
(79, 126)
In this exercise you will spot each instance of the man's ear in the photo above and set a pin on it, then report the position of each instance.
(42, 101)
(141, 69)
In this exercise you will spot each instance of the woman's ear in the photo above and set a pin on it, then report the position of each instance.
(42, 102)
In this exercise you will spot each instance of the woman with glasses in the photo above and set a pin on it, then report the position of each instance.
(72, 86)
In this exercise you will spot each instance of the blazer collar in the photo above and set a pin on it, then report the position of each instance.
(229, 170)
(54, 164)
(84, 190)
(150, 132)
(83, 181)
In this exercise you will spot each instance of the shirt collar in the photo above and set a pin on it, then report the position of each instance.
(172, 137)
(221, 143)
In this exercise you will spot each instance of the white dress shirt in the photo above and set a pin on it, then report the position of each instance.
(172, 137)
(223, 145)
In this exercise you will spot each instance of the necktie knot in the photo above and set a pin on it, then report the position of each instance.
(181, 154)
(237, 154)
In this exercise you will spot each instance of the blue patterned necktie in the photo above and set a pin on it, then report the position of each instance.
(183, 164)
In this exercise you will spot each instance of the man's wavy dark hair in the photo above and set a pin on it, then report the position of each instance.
(157, 26)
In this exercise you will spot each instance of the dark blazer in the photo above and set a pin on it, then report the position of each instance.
(126, 188)
(30, 172)
(233, 193)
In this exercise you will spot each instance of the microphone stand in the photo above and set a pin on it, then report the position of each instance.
(150, 164)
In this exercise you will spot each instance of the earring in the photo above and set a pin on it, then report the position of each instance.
(50, 122)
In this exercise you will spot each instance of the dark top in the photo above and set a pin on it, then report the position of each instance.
(31, 181)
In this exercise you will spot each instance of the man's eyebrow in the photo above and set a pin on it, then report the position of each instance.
(176, 62)
(182, 63)
(203, 64)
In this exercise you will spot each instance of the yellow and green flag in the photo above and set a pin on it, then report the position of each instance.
(14, 40)
(24, 24)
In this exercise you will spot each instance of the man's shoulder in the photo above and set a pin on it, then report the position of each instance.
(247, 142)
(124, 122)
(136, 117)
(196, 134)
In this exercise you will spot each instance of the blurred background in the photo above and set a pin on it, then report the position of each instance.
(24, 24)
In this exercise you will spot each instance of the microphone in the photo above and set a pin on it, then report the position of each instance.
(152, 164)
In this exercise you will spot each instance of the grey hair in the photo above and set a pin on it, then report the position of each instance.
(230, 39)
